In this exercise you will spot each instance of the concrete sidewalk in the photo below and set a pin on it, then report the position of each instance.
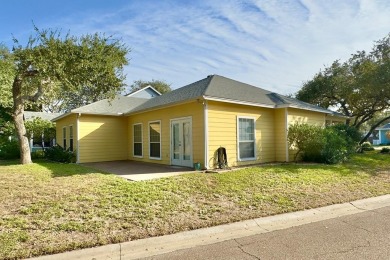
(188, 239)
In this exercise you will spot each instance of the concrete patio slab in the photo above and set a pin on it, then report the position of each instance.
(139, 171)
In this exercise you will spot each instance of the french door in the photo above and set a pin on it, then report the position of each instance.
(181, 142)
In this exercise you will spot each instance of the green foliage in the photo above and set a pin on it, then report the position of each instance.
(366, 146)
(305, 138)
(385, 150)
(9, 150)
(329, 145)
(7, 74)
(59, 154)
(160, 85)
(39, 126)
(335, 148)
(359, 87)
(52, 65)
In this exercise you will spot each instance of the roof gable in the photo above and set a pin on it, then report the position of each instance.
(146, 92)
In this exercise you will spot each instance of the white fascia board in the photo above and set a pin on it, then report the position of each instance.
(239, 102)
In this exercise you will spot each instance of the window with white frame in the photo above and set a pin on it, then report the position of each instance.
(246, 138)
(137, 140)
(64, 137)
(155, 140)
(71, 138)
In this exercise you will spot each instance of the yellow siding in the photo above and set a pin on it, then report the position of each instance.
(222, 125)
(102, 138)
(304, 116)
(193, 110)
(70, 120)
(280, 135)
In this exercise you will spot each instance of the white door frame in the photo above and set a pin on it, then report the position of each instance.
(181, 119)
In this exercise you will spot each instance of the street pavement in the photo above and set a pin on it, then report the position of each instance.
(363, 235)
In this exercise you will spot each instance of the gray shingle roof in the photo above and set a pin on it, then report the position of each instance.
(30, 115)
(117, 106)
(386, 126)
(222, 88)
(213, 87)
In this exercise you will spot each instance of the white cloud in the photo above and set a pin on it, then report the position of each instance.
(271, 44)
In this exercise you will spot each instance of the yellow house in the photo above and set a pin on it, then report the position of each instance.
(189, 125)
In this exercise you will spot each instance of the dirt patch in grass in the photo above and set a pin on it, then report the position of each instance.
(47, 208)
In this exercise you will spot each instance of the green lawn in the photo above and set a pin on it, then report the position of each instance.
(48, 208)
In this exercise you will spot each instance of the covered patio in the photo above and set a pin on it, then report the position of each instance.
(139, 171)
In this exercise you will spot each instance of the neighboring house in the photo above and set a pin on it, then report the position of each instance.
(383, 134)
(146, 92)
(31, 115)
(189, 124)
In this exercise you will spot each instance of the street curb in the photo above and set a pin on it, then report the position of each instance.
(204, 236)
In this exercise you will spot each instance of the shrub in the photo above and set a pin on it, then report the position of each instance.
(9, 150)
(335, 149)
(59, 154)
(38, 154)
(366, 146)
(385, 150)
(329, 145)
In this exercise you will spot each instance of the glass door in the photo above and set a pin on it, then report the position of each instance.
(181, 141)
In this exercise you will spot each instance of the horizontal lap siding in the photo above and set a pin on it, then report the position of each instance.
(66, 122)
(102, 138)
(280, 135)
(304, 116)
(193, 109)
(222, 125)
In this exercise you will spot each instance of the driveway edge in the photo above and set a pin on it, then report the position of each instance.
(204, 236)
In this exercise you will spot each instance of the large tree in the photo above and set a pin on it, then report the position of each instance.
(53, 64)
(358, 88)
(160, 85)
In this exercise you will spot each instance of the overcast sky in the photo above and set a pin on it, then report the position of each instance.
(273, 44)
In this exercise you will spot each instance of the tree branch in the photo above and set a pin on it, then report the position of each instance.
(373, 128)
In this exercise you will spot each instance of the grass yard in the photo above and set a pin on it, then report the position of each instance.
(47, 208)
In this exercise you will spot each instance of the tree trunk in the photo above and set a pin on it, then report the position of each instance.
(373, 128)
(18, 109)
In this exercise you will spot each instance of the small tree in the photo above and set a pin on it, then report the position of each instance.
(304, 137)
(160, 85)
(324, 145)
(52, 64)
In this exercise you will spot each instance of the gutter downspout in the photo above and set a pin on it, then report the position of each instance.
(78, 138)
(286, 122)
(206, 133)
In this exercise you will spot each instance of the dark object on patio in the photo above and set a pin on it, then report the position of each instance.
(222, 158)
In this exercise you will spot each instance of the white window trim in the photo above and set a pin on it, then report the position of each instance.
(150, 122)
(142, 141)
(238, 139)
(64, 138)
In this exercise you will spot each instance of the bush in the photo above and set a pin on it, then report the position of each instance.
(385, 150)
(38, 154)
(335, 149)
(330, 145)
(59, 154)
(366, 146)
(9, 150)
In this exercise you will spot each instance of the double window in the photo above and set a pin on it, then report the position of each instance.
(65, 143)
(137, 140)
(155, 140)
(246, 138)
